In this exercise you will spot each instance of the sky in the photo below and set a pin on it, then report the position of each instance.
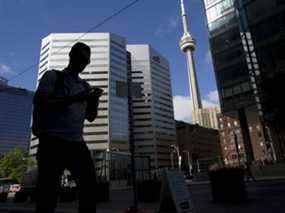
(23, 23)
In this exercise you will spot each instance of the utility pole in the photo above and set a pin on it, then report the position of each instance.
(178, 155)
(189, 161)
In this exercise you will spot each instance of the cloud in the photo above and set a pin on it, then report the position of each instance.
(168, 27)
(208, 58)
(213, 96)
(4, 69)
(11, 54)
(183, 108)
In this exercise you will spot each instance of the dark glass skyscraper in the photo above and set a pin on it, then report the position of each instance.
(246, 44)
(262, 24)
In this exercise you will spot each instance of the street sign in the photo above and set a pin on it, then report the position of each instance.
(175, 196)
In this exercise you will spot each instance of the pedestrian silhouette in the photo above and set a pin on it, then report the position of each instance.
(249, 174)
(61, 104)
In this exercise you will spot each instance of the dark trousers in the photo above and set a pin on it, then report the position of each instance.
(54, 155)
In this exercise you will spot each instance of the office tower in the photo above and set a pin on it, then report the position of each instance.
(15, 114)
(153, 118)
(233, 81)
(107, 70)
(243, 34)
(262, 29)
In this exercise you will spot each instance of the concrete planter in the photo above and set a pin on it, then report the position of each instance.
(228, 185)
(102, 192)
(149, 191)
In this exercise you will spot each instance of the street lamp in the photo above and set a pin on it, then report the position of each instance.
(189, 161)
(178, 155)
(237, 146)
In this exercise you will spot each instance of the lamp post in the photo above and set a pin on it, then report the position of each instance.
(171, 157)
(178, 155)
(189, 161)
(237, 147)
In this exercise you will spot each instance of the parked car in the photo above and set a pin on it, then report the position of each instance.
(15, 188)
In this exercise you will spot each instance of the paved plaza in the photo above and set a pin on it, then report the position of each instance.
(264, 197)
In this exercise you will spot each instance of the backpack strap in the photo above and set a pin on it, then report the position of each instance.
(59, 84)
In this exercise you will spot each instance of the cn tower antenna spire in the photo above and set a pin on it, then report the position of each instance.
(184, 18)
(187, 46)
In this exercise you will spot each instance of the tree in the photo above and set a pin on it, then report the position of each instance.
(15, 163)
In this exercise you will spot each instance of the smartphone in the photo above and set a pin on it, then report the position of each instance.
(97, 91)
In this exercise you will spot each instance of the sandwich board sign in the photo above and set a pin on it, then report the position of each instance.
(175, 196)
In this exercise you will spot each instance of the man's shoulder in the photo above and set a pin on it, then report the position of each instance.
(50, 74)
(84, 82)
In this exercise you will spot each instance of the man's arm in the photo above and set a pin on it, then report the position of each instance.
(92, 104)
(92, 110)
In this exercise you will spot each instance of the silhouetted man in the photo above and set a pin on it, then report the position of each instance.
(61, 104)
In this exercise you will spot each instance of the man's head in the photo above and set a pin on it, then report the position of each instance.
(79, 56)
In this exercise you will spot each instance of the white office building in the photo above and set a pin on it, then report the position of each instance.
(153, 117)
(15, 114)
(107, 70)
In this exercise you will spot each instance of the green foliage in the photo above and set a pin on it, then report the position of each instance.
(15, 163)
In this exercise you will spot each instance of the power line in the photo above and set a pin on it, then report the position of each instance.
(118, 12)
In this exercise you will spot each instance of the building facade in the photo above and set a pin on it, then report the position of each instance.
(115, 67)
(15, 114)
(206, 117)
(246, 39)
(262, 26)
(235, 85)
(202, 145)
(153, 116)
(232, 145)
(108, 71)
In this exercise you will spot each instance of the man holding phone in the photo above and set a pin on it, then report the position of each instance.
(62, 102)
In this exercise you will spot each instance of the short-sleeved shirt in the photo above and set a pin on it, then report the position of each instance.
(65, 122)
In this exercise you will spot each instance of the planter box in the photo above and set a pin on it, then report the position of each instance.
(228, 185)
(149, 191)
(102, 192)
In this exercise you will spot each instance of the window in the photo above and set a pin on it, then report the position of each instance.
(121, 89)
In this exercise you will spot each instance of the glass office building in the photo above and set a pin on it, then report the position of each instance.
(15, 116)
(230, 65)
(153, 118)
(107, 70)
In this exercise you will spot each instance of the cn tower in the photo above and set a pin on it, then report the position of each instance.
(187, 46)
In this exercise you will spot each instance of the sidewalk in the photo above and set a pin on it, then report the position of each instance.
(259, 179)
(120, 200)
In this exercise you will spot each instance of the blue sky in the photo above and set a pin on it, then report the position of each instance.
(25, 22)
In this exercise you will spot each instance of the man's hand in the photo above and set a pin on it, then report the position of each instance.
(92, 104)
(95, 94)
(81, 96)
